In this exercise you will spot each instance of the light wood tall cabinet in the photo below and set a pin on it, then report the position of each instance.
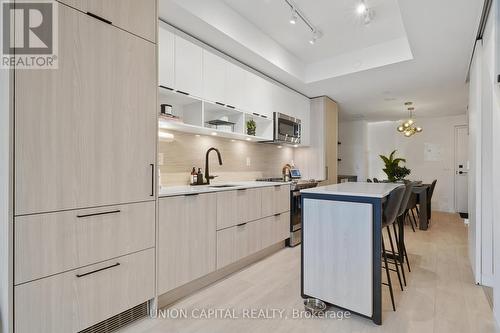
(186, 239)
(319, 161)
(84, 160)
(85, 134)
(166, 58)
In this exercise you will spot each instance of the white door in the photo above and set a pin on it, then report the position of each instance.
(461, 168)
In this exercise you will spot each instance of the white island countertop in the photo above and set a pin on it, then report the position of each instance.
(371, 190)
(168, 191)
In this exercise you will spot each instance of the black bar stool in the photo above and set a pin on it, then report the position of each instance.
(389, 216)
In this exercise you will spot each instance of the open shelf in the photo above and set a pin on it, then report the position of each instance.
(187, 109)
(194, 115)
(264, 126)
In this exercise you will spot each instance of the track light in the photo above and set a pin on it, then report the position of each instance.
(315, 36)
(293, 18)
(365, 12)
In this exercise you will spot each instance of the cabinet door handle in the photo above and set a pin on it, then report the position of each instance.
(152, 180)
(100, 213)
(182, 92)
(99, 18)
(97, 270)
(242, 189)
(255, 114)
(277, 214)
(230, 106)
(190, 194)
(241, 224)
(219, 103)
(165, 87)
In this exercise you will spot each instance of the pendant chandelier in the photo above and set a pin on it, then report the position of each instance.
(408, 127)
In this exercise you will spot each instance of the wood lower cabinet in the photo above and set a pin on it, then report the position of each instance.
(240, 206)
(47, 244)
(275, 199)
(85, 133)
(137, 17)
(187, 239)
(240, 241)
(75, 300)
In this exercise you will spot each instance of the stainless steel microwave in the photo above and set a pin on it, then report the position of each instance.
(286, 129)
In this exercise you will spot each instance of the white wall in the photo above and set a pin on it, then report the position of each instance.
(5, 206)
(353, 149)
(481, 177)
(383, 138)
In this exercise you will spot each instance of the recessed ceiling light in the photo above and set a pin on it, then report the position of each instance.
(361, 9)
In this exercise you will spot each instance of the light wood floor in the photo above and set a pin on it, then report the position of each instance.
(440, 296)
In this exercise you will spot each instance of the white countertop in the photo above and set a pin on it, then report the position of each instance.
(372, 190)
(169, 191)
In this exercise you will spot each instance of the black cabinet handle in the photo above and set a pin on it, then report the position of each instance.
(97, 270)
(263, 116)
(190, 194)
(277, 214)
(241, 224)
(165, 87)
(219, 103)
(182, 92)
(152, 180)
(241, 189)
(99, 18)
(255, 114)
(100, 213)
(230, 106)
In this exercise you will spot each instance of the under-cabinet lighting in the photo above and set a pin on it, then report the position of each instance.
(249, 139)
(165, 136)
(214, 133)
(279, 147)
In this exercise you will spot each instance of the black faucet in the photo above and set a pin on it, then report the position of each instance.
(207, 175)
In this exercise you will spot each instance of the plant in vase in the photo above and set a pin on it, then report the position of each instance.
(251, 127)
(392, 169)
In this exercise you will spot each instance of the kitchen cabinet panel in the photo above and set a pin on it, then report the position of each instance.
(240, 241)
(227, 209)
(188, 67)
(47, 244)
(85, 134)
(75, 300)
(214, 77)
(275, 199)
(249, 204)
(166, 56)
(137, 17)
(235, 87)
(187, 239)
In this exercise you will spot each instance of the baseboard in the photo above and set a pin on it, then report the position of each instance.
(190, 288)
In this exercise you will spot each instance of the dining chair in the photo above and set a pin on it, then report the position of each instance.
(390, 213)
(402, 255)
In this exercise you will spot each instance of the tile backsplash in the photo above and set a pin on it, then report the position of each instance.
(241, 160)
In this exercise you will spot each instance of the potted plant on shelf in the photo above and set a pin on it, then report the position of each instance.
(392, 169)
(251, 127)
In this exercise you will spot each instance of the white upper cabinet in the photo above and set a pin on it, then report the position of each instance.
(188, 67)
(214, 77)
(166, 56)
(259, 97)
(235, 86)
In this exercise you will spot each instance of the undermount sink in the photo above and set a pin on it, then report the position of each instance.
(222, 186)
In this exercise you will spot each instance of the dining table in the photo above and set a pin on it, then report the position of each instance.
(422, 192)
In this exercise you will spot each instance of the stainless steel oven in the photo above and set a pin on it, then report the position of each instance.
(286, 129)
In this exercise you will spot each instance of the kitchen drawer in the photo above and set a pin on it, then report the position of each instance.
(240, 206)
(275, 199)
(75, 300)
(237, 242)
(137, 17)
(47, 244)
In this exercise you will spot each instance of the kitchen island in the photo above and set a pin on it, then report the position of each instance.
(341, 249)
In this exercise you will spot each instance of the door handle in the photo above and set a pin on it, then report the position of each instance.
(99, 213)
(152, 180)
(462, 172)
(97, 270)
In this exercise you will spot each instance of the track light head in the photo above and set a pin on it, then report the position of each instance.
(293, 18)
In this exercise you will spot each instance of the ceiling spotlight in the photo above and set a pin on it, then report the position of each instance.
(315, 36)
(293, 18)
(361, 9)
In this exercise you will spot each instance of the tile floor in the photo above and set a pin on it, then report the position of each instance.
(440, 296)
